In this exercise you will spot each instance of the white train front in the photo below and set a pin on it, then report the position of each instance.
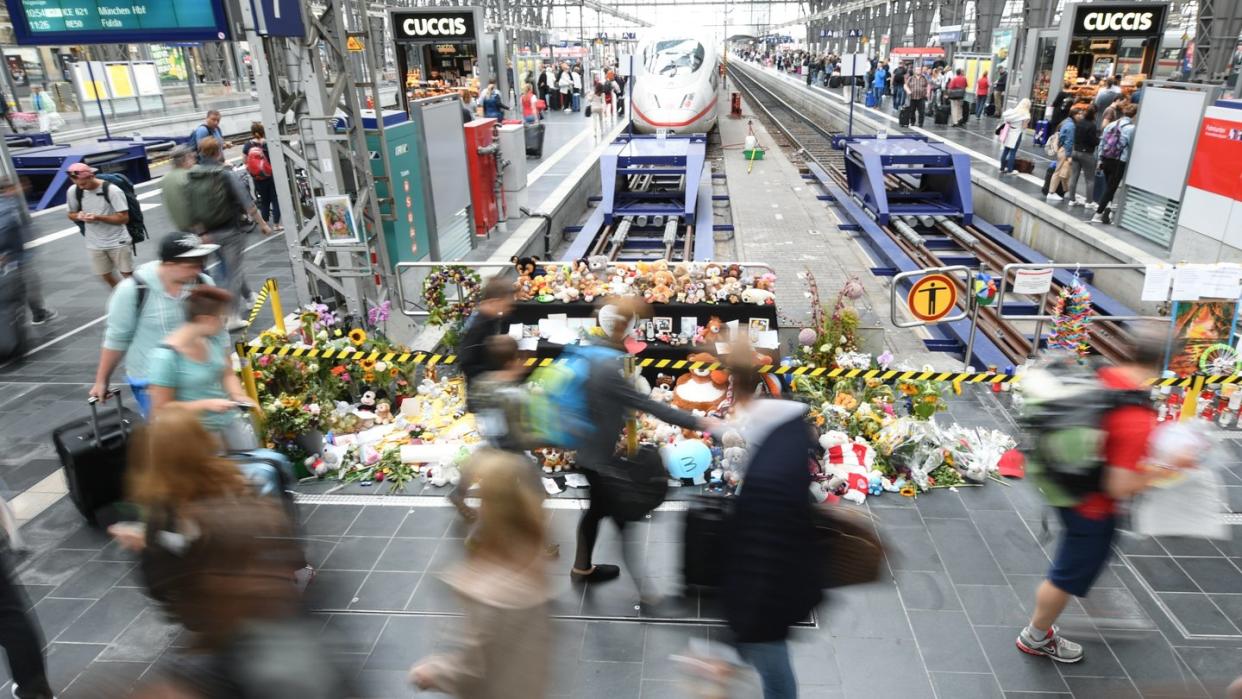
(675, 85)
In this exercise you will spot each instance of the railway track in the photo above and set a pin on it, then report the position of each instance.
(930, 243)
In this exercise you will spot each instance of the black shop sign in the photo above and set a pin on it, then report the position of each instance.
(1092, 19)
(436, 26)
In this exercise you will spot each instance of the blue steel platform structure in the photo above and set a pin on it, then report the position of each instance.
(656, 194)
(47, 166)
(937, 177)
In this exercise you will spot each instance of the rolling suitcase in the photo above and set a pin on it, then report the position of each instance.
(269, 473)
(1023, 165)
(942, 114)
(870, 100)
(905, 116)
(534, 140)
(1041, 132)
(704, 547)
(92, 451)
(13, 329)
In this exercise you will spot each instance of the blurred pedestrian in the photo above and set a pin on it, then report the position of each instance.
(611, 396)
(899, 87)
(981, 95)
(192, 369)
(1089, 525)
(505, 638)
(999, 88)
(597, 106)
(565, 86)
(20, 636)
(44, 107)
(145, 308)
(1086, 140)
(493, 106)
(530, 104)
(174, 187)
(224, 211)
(1113, 153)
(768, 580)
(210, 128)
(259, 167)
(14, 234)
(547, 87)
(488, 319)
(1016, 120)
(101, 212)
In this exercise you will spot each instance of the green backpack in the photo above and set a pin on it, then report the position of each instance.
(210, 198)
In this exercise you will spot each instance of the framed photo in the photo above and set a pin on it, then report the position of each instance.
(336, 215)
(758, 325)
(663, 325)
(647, 329)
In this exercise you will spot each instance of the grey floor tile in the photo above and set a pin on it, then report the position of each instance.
(86, 538)
(947, 642)
(1150, 661)
(383, 683)
(866, 611)
(814, 658)
(1025, 587)
(869, 665)
(1231, 605)
(941, 503)
(427, 522)
(317, 549)
(926, 590)
(992, 605)
(1187, 546)
(355, 553)
(912, 549)
(406, 639)
(1213, 574)
(55, 615)
(105, 680)
(352, 633)
(1114, 608)
(385, 591)
(613, 641)
(965, 556)
(144, 640)
(1139, 545)
(992, 496)
(567, 637)
(1214, 667)
(93, 580)
(55, 567)
(1098, 659)
(1103, 687)
(330, 520)
(1016, 671)
(34, 593)
(407, 555)
(1197, 613)
(448, 553)
(377, 521)
(333, 589)
(895, 518)
(1012, 544)
(966, 685)
(616, 598)
(662, 689)
(433, 595)
(600, 679)
(663, 640)
(107, 617)
(66, 661)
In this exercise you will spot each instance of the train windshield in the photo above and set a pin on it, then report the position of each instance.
(671, 58)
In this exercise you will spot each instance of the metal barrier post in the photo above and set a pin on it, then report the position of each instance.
(631, 423)
(278, 311)
(1190, 405)
(247, 376)
(974, 329)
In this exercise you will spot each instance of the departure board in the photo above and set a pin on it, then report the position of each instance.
(116, 21)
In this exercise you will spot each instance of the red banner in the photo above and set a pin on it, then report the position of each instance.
(1219, 151)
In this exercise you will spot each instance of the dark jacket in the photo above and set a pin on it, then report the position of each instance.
(611, 397)
(472, 347)
(493, 107)
(12, 228)
(1086, 136)
(769, 580)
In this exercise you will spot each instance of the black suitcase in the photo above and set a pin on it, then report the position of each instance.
(990, 109)
(93, 453)
(942, 115)
(704, 541)
(534, 140)
(13, 327)
(905, 116)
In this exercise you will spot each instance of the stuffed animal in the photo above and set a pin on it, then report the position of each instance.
(525, 266)
(524, 289)
(701, 389)
(712, 332)
(735, 456)
(663, 389)
(759, 297)
(598, 264)
(553, 460)
(383, 412)
(767, 282)
(367, 402)
(733, 271)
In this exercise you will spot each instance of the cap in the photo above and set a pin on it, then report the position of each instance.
(81, 169)
(1012, 464)
(177, 246)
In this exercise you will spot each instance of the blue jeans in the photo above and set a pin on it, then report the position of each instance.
(879, 95)
(899, 98)
(1009, 156)
(981, 104)
(771, 661)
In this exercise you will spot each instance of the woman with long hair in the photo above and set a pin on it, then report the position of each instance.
(505, 638)
(1010, 132)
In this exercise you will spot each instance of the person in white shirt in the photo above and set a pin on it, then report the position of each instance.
(565, 85)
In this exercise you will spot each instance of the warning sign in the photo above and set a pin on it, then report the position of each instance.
(353, 43)
(932, 297)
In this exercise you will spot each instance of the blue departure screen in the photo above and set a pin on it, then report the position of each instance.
(110, 21)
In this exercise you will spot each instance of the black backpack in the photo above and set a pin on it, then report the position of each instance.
(135, 226)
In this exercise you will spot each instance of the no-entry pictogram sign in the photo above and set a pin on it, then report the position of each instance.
(932, 297)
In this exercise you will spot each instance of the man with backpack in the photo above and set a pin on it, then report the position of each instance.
(486, 320)
(1087, 489)
(221, 209)
(210, 128)
(259, 167)
(174, 185)
(146, 307)
(1113, 154)
(101, 212)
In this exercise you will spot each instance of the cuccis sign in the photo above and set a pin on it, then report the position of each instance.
(1091, 19)
(436, 25)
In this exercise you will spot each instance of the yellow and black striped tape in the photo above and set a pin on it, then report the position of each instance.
(269, 286)
(348, 355)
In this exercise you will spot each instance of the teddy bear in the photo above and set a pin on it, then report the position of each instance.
(711, 333)
(663, 389)
(758, 297)
(730, 292)
(733, 271)
(553, 460)
(525, 266)
(383, 412)
(735, 455)
(767, 282)
(701, 388)
(524, 289)
(660, 293)
(598, 264)
(844, 459)
(366, 402)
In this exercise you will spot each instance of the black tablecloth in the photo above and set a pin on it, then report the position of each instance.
(529, 313)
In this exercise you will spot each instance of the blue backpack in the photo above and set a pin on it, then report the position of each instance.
(558, 410)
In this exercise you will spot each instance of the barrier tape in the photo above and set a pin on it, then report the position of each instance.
(981, 377)
(269, 286)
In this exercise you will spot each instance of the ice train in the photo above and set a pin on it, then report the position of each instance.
(675, 86)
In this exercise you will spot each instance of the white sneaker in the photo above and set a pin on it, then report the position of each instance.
(1097, 218)
(1077, 202)
(1052, 196)
(237, 323)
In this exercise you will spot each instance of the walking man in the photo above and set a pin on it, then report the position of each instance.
(173, 187)
(998, 89)
(20, 637)
(14, 232)
(899, 87)
(916, 88)
(101, 212)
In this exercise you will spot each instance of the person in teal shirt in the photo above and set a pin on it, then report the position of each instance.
(191, 368)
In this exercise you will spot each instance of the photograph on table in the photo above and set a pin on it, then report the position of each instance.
(663, 325)
(336, 215)
(758, 325)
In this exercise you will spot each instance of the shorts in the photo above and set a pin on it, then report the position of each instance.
(104, 262)
(1082, 552)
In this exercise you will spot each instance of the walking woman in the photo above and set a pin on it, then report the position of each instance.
(505, 640)
(1082, 160)
(1014, 122)
(261, 174)
(191, 368)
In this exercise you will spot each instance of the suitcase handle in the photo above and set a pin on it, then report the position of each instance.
(97, 439)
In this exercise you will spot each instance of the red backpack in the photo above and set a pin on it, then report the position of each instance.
(257, 163)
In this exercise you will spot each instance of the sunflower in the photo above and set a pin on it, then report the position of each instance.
(393, 372)
(289, 402)
(367, 363)
(357, 337)
(908, 491)
(909, 389)
(368, 377)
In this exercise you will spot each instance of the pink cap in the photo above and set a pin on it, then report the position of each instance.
(81, 169)
(1012, 464)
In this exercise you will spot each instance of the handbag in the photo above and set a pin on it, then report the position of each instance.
(586, 112)
(630, 487)
(851, 550)
(1002, 132)
(957, 93)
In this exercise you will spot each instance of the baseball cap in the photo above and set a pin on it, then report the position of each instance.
(81, 169)
(179, 246)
